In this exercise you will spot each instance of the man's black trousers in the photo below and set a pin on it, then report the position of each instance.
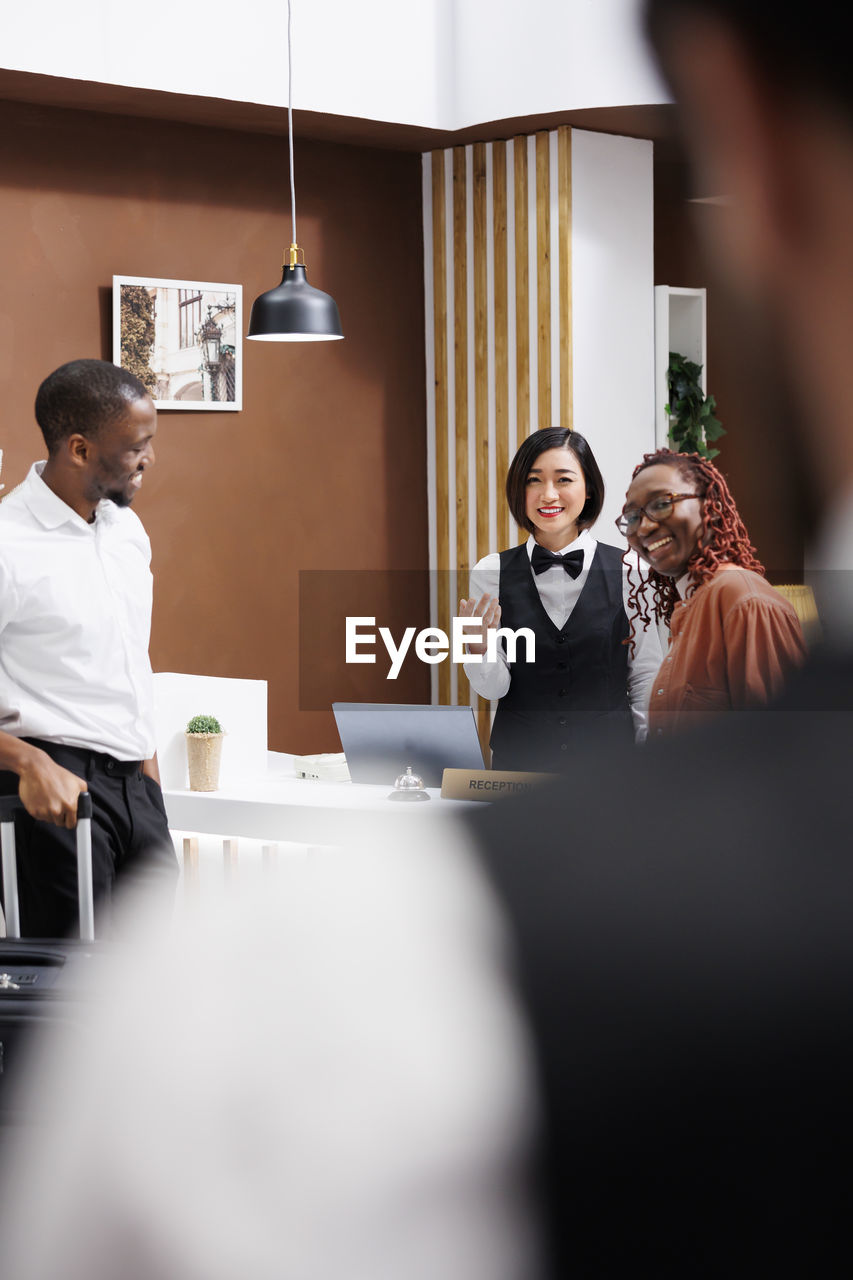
(131, 844)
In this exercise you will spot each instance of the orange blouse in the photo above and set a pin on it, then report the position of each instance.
(734, 643)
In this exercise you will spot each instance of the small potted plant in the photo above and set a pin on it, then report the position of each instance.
(204, 752)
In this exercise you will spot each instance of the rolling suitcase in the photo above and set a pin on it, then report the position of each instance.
(36, 978)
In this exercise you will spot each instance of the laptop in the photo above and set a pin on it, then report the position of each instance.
(380, 739)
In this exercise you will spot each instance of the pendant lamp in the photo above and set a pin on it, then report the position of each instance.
(294, 311)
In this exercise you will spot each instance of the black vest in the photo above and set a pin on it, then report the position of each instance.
(578, 685)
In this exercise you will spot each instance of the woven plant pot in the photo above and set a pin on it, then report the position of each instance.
(204, 752)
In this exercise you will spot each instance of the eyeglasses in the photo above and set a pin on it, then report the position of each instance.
(660, 508)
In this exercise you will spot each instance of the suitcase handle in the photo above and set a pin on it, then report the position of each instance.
(8, 806)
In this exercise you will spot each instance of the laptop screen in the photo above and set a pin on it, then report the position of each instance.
(381, 739)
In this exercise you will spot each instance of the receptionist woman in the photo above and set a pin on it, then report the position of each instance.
(570, 590)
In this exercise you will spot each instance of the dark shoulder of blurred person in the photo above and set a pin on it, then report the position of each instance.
(681, 915)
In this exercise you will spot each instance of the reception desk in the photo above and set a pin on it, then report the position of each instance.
(275, 805)
(260, 799)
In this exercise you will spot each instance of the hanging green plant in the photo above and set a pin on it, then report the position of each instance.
(692, 424)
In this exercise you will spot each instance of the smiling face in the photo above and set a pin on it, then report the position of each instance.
(119, 454)
(667, 544)
(554, 497)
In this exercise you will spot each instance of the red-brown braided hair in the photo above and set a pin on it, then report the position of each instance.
(723, 539)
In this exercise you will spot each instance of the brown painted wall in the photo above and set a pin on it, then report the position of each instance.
(325, 467)
(759, 478)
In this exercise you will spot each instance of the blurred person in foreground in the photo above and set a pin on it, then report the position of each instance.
(683, 929)
(680, 915)
(320, 1076)
(734, 640)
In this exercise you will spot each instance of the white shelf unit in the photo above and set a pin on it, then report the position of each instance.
(680, 325)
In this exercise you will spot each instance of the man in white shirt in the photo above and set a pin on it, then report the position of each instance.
(76, 698)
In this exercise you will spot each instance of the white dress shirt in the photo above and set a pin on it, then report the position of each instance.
(75, 619)
(559, 594)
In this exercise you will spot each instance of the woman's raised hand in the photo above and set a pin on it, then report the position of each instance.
(488, 611)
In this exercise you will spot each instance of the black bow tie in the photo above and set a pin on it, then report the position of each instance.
(541, 560)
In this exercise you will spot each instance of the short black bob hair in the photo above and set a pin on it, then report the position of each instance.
(529, 451)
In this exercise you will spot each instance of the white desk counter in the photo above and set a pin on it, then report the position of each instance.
(279, 806)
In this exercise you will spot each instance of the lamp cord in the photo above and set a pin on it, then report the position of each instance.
(290, 128)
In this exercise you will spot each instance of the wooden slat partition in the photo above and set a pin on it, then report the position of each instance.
(460, 345)
(481, 375)
(493, 301)
(442, 506)
(522, 295)
(481, 364)
(564, 171)
(501, 372)
(543, 278)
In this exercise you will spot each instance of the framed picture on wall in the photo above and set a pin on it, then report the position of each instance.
(182, 338)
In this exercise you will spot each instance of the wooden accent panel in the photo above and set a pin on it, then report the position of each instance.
(543, 277)
(481, 350)
(564, 172)
(522, 294)
(501, 339)
(442, 501)
(460, 347)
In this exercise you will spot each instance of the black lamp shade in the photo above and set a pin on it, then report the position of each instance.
(294, 311)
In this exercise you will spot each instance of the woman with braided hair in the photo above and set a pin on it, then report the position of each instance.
(734, 639)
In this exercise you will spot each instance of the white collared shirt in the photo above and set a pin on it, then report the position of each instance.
(683, 586)
(75, 619)
(559, 594)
